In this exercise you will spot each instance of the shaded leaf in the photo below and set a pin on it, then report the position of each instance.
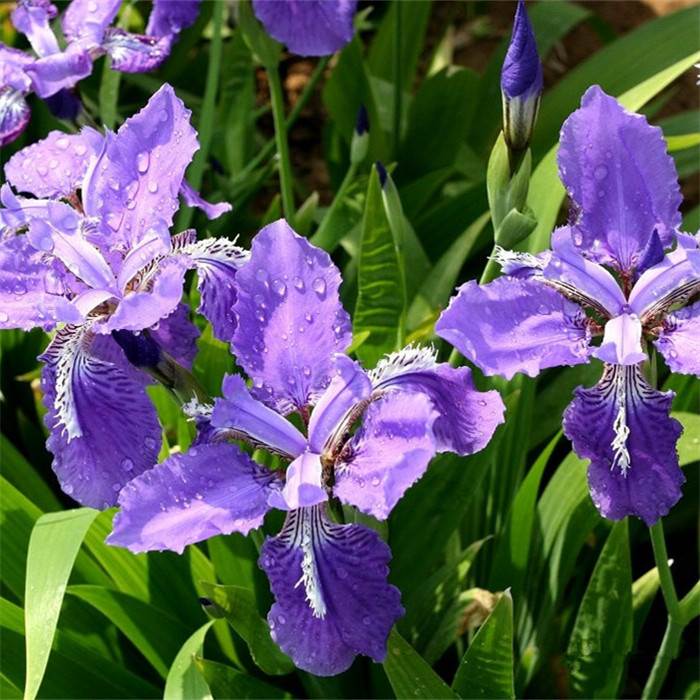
(486, 669)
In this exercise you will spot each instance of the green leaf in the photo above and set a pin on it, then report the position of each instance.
(128, 571)
(380, 300)
(227, 682)
(546, 190)
(184, 681)
(439, 284)
(155, 633)
(486, 669)
(347, 89)
(689, 442)
(409, 674)
(619, 67)
(434, 610)
(602, 634)
(240, 609)
(75, 669)
(413, 26)
(644, 591)
(18, 471)
(511, 558)
(679, 143)
(266, 49)
(438, 120)
(53, 546)
(109, 94)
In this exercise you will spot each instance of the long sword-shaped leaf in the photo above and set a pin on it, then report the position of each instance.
(53, 546)
(381, 300)
(486, 670)
(602, 634)
(409, 674)
(184, 681)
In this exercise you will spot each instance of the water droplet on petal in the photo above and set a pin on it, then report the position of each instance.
(319, 286)
(127, 464)
(142, 161)
(279, 287)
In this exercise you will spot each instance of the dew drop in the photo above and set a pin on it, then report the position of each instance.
(127, 465)
(279, 287)
(62, 143)
(4, 318)
(299, 284)
(152, 187)
(319, 286)
(601, 172)
(142, 161)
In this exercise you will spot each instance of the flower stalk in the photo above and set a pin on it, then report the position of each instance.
(675, 624)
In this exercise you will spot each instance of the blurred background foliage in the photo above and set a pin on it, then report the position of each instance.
(580, 615)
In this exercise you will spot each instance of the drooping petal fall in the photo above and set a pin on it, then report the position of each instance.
(209, 490)
(513, 325)
(390, 451)
(466, 418)
(290, 319)
(103, 428)
(622, 425)
(332, 598)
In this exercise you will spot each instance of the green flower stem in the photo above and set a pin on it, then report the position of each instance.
(206, 118)
(269, 148)
(323, 237)
(285, 164)
(675, 625)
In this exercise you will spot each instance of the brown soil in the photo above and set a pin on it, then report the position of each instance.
(478, 29)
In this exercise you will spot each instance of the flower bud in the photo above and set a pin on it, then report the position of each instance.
(521, 83)
(360, 137)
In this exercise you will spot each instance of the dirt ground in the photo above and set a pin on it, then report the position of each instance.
(479, 27)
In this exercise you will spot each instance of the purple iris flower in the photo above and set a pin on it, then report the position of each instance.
(369, 437)
(308, 27)
(620, 269)
(521, 82)
(85, 25)
(91, 249)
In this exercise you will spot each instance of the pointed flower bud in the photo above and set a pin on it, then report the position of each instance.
(521, 82)
(360, 137)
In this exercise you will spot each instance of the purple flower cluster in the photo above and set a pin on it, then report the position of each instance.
(621, 269)
(368, 436)
(86, 27)
(91, 249)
